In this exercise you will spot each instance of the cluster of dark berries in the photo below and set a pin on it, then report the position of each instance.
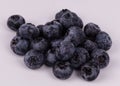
(63, 44)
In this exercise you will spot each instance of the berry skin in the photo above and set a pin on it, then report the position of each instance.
(51, 58)
(90, 45)
(28, 31)
(80, 57)
(62, 70)
(69, 19)
(101, 57)
(59, 14)
(40, 44)
(103, 41)
(15, 21)
(19, 45)
(54, 22)
(56, 43)
(75, 35)
(65, 51)
(91, 30)
(52, 30)
(89, 71)
(34, 59)
(40, 28)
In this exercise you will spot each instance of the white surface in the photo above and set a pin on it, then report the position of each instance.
(105, 13)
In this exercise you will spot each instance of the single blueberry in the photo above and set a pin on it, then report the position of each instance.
(60, 13)
(15, 21)
(62, 70)
(75, 35)
(91, 30)
(34, 59)
(80, 57)
(69, 19)
(28, 31)
(89, 71)
(103, 41)
(101, 57)
(51, 58)
(40, 44)
(65, 51)
(90, 45)
(52, 30)
(19, 45)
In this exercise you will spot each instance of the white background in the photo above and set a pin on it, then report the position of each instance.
(105, 13)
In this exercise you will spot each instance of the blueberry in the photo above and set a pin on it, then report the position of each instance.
(103, 41)
(54, 22)
(89, 71)
(52, 30)
(51, 58)
(65, 51)
(15, 21)
(34, 59)
(69, 19)
(75, 35)
(28, 31)
(101, 57)
(40, 28)
(91, 30)
(80, 57)
(56, 43)
(90, 45)
(59, 14)
(19, 45)
(40, 44)
(57, 22)
(62, 70)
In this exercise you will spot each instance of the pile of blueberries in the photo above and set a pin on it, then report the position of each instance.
(63, 44)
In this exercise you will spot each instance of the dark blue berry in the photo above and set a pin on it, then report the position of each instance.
(75, 35)
(54, 22)
(51, 58)
(57, 22)
(19, 45)
(89, 71)
(103, 41)
(28, 31)
(40, 28)
(52, 30)
(34, 59)
(15, 21)
(56, 43)
(65, 51)
(69, 19)
(90, 45)
(62, 70)
(101, 57)
(59, 14)
(40, 44)
(80, 57)
(91, 30)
